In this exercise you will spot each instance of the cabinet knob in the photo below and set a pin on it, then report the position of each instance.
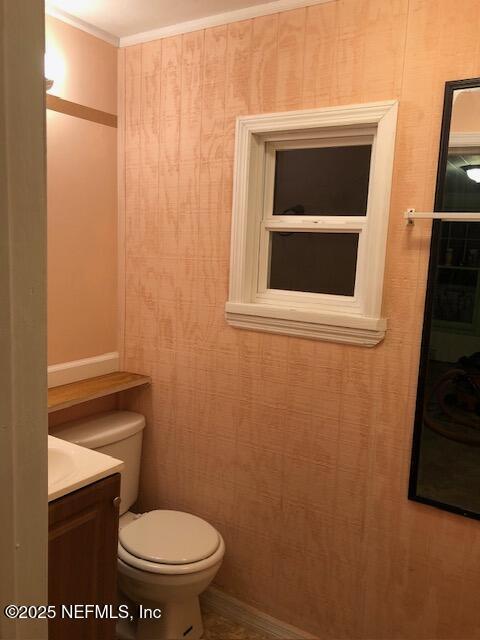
(116, 502)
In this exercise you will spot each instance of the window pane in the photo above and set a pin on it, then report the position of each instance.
(314, 262)
(325, 181)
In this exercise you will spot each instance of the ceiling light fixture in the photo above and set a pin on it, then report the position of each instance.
(472, 171)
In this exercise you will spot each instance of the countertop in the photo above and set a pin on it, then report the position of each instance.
(71, 467)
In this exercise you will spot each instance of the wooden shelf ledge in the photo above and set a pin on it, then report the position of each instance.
(68, 395)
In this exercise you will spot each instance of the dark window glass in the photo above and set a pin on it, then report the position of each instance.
(326, 181)
(314, 262)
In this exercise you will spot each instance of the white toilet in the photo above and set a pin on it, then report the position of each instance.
(165, 558)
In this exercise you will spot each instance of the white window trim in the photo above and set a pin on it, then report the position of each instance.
(356, 319)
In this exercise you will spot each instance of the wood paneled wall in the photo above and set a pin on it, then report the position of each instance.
(298, 451)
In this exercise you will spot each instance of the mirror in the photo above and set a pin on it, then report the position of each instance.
(445, 470)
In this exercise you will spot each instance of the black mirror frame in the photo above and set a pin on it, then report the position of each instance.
(450, 88)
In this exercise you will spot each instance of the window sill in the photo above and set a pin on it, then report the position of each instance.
(350, 329)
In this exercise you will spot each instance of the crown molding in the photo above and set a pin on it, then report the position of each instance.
(268, 8)
(52, 11)
(217, 20)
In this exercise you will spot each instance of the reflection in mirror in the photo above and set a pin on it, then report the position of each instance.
(446, 453)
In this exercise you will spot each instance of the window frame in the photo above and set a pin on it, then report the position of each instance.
(354, 319)
(317, 224)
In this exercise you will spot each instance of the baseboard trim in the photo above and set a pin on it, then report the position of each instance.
(224, 604)
(76, 370)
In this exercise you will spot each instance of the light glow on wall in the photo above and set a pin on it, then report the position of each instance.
(55, 67)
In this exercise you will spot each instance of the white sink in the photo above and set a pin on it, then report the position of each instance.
(60, 465)
(71, 467)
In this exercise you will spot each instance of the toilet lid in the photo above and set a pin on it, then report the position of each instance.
(169, 537)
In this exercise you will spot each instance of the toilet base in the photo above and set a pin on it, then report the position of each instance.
(175, 594)
(180, 620)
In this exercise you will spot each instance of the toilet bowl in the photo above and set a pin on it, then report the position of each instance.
(166, 558)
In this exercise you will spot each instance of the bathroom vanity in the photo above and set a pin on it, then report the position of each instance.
(83, 531)
(84, 490)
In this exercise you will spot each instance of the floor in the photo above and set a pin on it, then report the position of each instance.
(217, 627)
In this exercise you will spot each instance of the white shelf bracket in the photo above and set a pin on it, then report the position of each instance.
(408, 215)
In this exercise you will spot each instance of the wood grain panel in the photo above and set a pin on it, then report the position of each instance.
(440, 46)
(264, 64)
(311, 441)
(191, 96)
(132, 147)
(188, 193)
(290, 59)
(169, 135)
(320, 50)
(147, 228)
(237, 94)
(213, 95)
(121, 214)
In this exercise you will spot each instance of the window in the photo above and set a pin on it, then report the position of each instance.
(313, 262)
(310, 217)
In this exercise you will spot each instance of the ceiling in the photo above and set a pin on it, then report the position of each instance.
(123, 18)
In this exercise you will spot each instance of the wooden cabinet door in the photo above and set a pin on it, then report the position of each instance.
(83, 535)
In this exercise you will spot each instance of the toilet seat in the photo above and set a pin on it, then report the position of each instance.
(169, 542)
(171, 569)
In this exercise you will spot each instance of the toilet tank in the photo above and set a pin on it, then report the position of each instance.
(117, 434)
